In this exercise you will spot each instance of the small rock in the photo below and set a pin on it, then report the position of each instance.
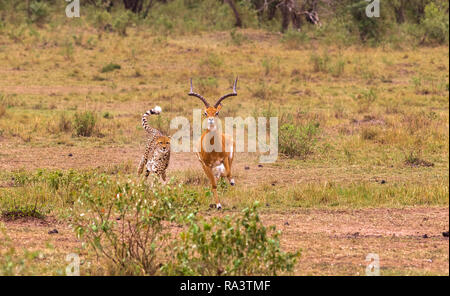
(54, 231)
(247, 168)
(445, 233)
(425, 235)
(286, 223)
(260, 165)
(267, 205)
(383, 182)
(273, 184)
(233, 208)
(70, 154)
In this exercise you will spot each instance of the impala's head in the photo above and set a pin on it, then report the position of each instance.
(212, 111)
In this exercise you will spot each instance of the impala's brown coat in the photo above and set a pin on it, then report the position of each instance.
(216, 162)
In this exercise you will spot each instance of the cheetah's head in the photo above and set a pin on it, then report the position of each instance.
(163, 144)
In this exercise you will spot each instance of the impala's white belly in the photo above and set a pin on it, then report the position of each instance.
(218, 170)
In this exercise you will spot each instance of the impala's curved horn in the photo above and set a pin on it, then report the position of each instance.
(234, 93)
(193, 94)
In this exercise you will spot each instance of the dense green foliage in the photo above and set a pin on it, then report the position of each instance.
(230, 245)
(344, 21)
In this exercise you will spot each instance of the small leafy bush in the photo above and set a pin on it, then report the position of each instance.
(413, 159)
(371, 29)
(298, 141)
(122, 22)
(436, 23)
(84, 124)
(110, 67)
(102, 20)
(23, 211)
(230, 246)
(39, 12)
(128, 227)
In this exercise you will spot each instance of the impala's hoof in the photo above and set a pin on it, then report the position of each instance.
(232, 183)
(219, 206)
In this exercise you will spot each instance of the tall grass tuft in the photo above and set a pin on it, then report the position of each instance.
(84, 124)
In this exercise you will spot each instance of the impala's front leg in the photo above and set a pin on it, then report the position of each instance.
(209, 173)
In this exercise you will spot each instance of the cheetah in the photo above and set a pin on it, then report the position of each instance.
(157, 151)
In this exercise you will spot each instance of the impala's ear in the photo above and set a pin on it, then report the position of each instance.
(219, 107)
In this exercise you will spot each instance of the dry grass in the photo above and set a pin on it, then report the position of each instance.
(383, 115)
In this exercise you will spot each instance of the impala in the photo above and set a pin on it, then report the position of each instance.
(216, 149)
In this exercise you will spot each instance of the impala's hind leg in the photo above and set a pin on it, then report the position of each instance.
(227, 164)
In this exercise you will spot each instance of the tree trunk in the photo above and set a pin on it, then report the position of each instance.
(236, 13)
(285, 17)
(400, 12)
(133, 5)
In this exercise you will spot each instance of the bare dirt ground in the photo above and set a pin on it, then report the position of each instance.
(332, 241)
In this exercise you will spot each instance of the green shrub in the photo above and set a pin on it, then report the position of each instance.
(110, 67)
(39, 12)
(84, 124)
(298, 141)
(122, 22)
(102, 20)
(127, 226)
(23, 211)
(230, 246)
(370, 28)
(436, 23)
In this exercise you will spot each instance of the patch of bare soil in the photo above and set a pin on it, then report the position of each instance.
(407, 241)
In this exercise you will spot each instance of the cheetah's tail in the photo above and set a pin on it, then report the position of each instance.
(156, 110)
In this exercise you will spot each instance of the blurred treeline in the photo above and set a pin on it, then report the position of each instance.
(412, 22)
